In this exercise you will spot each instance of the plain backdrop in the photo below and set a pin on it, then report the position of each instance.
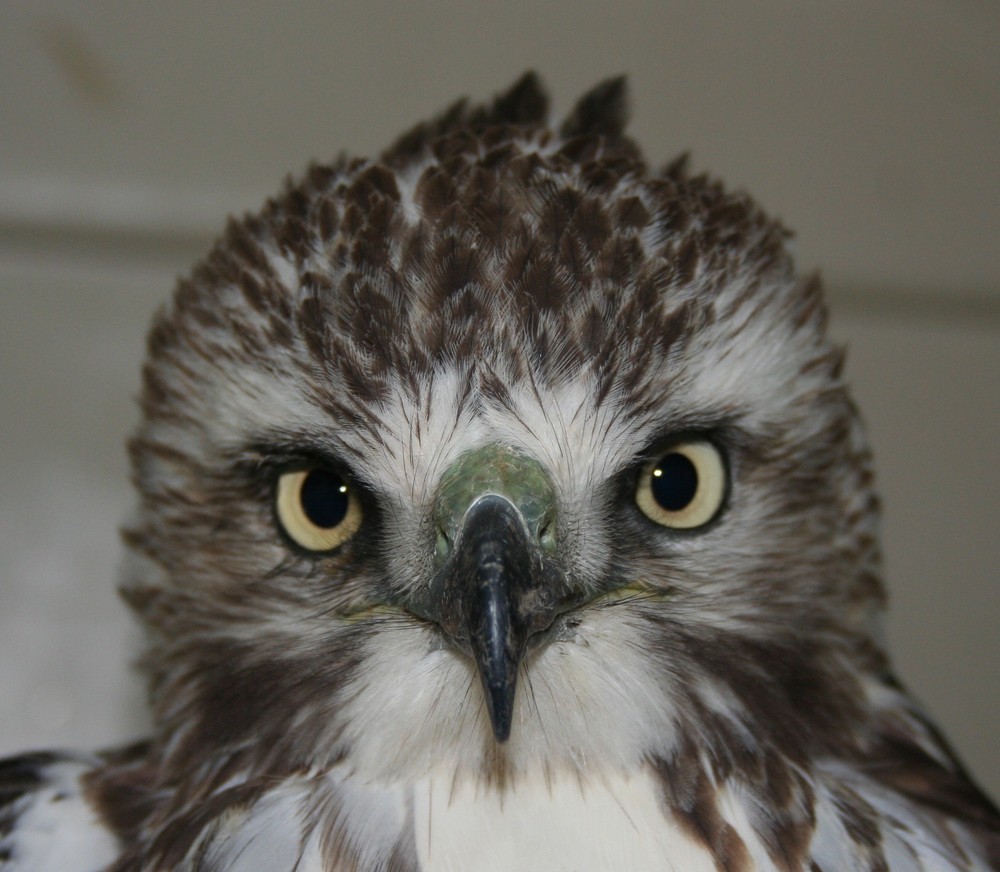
(129, 130)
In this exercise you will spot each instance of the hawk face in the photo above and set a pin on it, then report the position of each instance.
(501, 452)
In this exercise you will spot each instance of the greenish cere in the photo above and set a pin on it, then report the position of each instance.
(504, 471)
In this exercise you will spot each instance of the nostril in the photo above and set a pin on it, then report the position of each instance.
(442, 545)
(547, 534)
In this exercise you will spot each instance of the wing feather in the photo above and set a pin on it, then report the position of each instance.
(47, 824)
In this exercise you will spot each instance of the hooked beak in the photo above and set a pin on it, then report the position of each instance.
(493, 600)
(496, 586)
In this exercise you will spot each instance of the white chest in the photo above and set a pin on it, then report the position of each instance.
(564, 826)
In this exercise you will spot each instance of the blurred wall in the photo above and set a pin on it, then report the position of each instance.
(129, 130)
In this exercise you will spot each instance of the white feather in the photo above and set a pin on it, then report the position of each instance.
(559, 826)
(57, 829)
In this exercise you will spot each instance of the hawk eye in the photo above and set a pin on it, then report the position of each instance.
(683, 488)
(317, 508)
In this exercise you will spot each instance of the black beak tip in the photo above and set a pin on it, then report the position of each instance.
(499, 702)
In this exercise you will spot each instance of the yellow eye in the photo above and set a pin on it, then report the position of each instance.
(685, 487)
(317, 508)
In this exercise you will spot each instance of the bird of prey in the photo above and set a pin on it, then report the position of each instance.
(502, 507)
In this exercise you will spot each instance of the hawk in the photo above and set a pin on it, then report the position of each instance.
(502, 507)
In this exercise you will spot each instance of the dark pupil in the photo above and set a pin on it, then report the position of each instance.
(324, 498)
(677, 483)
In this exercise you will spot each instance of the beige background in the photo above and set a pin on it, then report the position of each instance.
(128, 130)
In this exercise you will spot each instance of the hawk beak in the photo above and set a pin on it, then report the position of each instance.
(494, 601)
(496, 586)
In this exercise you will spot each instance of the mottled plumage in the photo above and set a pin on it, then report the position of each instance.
(416, 595)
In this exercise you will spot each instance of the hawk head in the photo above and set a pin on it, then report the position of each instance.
(502, 450)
